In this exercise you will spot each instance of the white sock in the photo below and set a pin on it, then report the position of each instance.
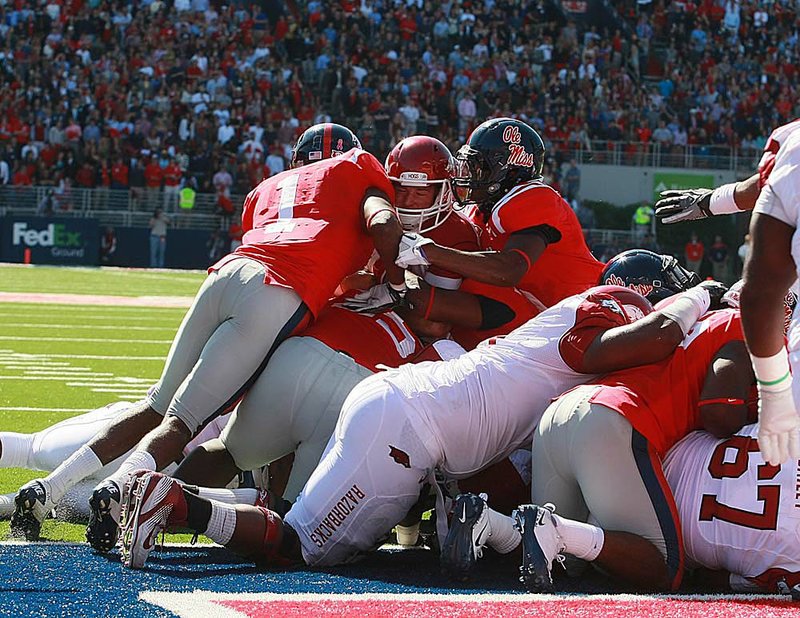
(222, 523)
(229, 496)
(138, 460)
(581, 540)
(15, 449)
(78, 466)
(6, 505)
(504, 536)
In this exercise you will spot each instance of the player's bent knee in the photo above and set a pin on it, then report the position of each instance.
(280, 546)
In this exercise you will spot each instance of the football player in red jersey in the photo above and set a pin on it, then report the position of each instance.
(305, 229)
(530, 236)
(678, 205)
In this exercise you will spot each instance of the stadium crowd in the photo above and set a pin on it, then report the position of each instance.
(154, 95)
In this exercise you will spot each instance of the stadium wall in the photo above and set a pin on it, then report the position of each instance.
(76, 241)
(623, 184)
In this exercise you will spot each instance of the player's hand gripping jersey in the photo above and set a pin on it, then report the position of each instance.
(661, 400)
(500, 390)
(566, 267)
(307, 225)
(738, 513)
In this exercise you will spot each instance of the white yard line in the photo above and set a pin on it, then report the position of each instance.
(21, 409)
(97, 299)
(85, 339)
(63, 326)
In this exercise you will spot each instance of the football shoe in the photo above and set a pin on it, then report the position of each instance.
(468, 533)
(104, 504)
(541, 545)
(152, 502)
(32, 505)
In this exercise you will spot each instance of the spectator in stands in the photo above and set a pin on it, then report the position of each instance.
(172, 185)
(718, 256)
(743, 252)
(108, 246)
(153, 176)
(158, 238)
(693, 253)
(119, 175)
(572, 181)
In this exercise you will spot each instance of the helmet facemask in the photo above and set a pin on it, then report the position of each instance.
(422, 213)
(477, 180)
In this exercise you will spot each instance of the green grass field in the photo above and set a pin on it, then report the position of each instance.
(57, 361)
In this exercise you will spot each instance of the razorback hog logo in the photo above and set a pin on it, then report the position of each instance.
(517, 155)
(399, 456)
(640, 288)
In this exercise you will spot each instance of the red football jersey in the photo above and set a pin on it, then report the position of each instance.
(776, 138)
(307, 227)
(369, 340)
(523, 305)
(567, 266)
(661, 400)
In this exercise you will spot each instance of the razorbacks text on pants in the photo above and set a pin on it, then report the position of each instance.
(336, 516)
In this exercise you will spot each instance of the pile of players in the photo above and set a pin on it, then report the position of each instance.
(394, 336)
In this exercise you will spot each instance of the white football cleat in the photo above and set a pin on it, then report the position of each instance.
(468, 533)
(32, 505)
(541, 544)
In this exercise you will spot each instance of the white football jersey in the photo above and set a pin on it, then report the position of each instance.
(486, 403)
(737, 513)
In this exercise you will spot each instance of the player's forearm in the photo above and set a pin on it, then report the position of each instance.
(449, 306)
(649, 340)
(746, 193)
(769, 273)
(502, 268)
(385, 230)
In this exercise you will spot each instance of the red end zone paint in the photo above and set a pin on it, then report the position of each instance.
(502, 606)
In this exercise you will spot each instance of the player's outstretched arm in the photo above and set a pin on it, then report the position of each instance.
(678, 205)
(768, 274)
(503, 268)
(723, 400)
(648, 340)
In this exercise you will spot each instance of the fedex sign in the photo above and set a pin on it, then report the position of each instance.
(52, 236)
(50, 241)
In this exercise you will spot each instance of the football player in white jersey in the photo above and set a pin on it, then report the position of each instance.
(396, 427)
(770, 271)
(738, 514)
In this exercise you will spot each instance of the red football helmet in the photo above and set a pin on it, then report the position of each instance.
(420, 168)
(634, 304)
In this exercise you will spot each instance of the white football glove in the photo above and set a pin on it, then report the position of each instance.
(378, 298)
(684, 205)
(410, 252)
(778, 426)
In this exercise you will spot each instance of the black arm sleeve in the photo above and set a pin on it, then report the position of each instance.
(494, 313)
(548, 233)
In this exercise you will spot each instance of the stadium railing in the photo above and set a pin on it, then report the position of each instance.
(123, 208)
(653, 154)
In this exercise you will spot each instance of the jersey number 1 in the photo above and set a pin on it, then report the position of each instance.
(769, 495)
(288, 189)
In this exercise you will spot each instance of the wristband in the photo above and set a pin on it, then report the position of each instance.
(728, 401)
(772, 372)
(722, 201)
(524, 257)
(397, 287)
(688, 307)
(377, 212)
(431, 294)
